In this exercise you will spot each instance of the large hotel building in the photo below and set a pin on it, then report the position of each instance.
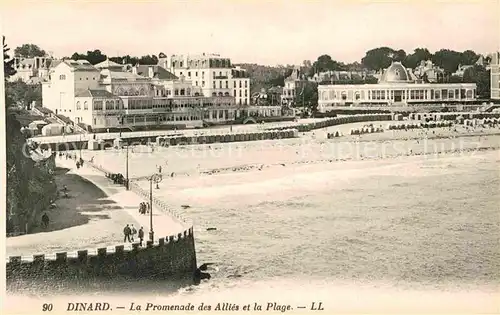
(182, 91)
(396, 86)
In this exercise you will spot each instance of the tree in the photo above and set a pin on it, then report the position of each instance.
(469, 57)
(325, 63)
(419, 54)
(94, 56)
(22, 94)
(399, 55)
(8, 64)
(381, 58)
(479, 75)
(148, 60)
(447, 59)
(29, 51)
(308, 96)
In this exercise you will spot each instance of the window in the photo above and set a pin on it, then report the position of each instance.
(188, 91)
(214, 84)
(196, 73)
(234, 84)
(203, 83)
(203, 74)
(98, 105)
(246, 93)
(196, 83)
(214, 74)
(220, 84)
(87, 78)
(62, 77)
(344, 95)
(85, 105)
(183, 92)
(227, 84)
(240, 93)
(78, 105)
(181, 73)
(246, 84)
(240, 84)
(176, 92)
(189, 73)
(234, 93)
(220, 73)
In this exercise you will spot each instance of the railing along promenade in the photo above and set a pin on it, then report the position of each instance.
(144, 194)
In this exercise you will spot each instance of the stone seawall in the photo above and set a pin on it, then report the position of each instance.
(171, 257)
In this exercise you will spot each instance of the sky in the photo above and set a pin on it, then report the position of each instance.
(253, 31)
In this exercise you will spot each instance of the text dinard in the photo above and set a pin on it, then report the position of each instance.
(270, 306)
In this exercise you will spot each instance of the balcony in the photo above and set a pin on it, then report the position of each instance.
(221, 77)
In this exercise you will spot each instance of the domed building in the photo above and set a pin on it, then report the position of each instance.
(397, 85)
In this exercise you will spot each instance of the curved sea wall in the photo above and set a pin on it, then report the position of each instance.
(169, 258)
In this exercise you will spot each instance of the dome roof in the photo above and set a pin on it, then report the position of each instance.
(396, 73)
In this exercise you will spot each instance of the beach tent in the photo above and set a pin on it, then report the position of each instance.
(117, 143)
(52, 130)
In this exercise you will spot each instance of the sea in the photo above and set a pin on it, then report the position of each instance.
(353, 236)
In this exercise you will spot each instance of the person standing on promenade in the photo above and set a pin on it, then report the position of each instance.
(45, 220)
(141, 235)
(126, 233)
(133, 232)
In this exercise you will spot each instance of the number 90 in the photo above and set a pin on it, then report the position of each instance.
(47, 307)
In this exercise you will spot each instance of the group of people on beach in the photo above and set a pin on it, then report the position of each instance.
(129, 233)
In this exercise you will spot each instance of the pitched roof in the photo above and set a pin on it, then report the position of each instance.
(106, 64)
(158, 72)
(80, 65)
(95, 93)
(121, 75)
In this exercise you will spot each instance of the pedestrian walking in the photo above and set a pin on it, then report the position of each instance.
(133, 232)
(126, 233)
(141, 235)
(45, 220)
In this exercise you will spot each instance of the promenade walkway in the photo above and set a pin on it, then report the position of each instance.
(106, 227)
(163, 223)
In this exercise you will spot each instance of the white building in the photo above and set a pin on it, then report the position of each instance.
(495, 76)
(32, 70)
(105, 96)
(294, 84)
(397, 85)
(212, 73)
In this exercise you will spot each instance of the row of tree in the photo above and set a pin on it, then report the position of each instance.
(382, 57)
(96, 56)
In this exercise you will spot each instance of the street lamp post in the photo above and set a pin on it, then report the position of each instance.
(126, 170)
(154, 178)
(81, 146)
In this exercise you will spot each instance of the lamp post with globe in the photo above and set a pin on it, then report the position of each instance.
(154, 178)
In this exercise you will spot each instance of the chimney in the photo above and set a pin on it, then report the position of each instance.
(151, 72)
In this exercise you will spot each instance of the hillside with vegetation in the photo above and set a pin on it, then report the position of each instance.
(30, 184)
